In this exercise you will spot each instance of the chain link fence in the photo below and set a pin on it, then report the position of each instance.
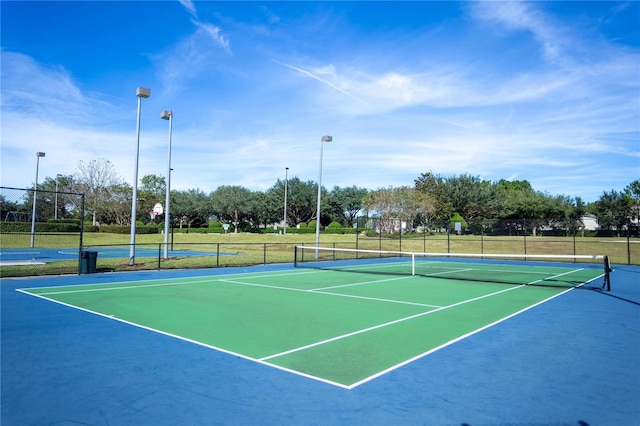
(37, 226)
(56, 245)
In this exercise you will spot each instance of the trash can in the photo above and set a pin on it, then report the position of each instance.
(88, 262)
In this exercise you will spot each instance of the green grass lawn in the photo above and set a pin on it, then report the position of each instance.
(251, 249)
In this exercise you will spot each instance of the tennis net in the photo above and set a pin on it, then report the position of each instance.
(520, 269)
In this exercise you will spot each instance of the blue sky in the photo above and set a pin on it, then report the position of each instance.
(543, 91)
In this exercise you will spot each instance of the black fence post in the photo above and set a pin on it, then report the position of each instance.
(628, 241)
(81, 236)
(524, 235)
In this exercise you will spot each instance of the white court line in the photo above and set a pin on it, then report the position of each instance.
(386, 324)
(351, 296)
(421, 315)
(88, 287)
(404, 277)
(186, 339)
(264, 360)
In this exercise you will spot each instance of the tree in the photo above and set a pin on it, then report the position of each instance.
(384, 205)
(392, 206)
(232, 203)
(506, 186)
(7, 206)
(152, 190)
(578, 211)
(95, 179)
(633, 192)
(192, 207)
(154, 185)
(434, 186)
(301, 200)
(265, 209)
(348, 202)
(51, 194)
(613, 210)
(472, 197)
(118, 209)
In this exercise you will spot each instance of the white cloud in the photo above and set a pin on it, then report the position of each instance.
(391, 120)
(191, 8)
(213, 32)
(48, 92)
(516, 15)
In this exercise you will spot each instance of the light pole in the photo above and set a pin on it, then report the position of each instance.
(322, 140)
(35, 194)
(286, 178)
(167, 115)
(55, 212)
(141, 92)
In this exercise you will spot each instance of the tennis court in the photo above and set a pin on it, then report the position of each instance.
(375, 341)
(371, 317)
(12, 255)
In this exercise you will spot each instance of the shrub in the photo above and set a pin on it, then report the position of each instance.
(126, 229)
(39, 227)
(74, 221)
(334, 228)
(243, 227)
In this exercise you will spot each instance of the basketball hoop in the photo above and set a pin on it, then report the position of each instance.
(157, 209)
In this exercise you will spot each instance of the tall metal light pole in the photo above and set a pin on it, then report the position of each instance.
(55, 208)
(167, 115)
(322, 140)
(286, 179)
(35, 195)
(141, 92)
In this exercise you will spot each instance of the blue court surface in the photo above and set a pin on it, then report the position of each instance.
(572, 360)
(58, 254)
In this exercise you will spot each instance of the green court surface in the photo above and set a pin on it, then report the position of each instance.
(339, 327)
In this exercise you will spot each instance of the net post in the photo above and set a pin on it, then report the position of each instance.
(413, 264)
(295, 256)
(606, 285)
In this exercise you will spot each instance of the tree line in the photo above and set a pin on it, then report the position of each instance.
(431, 199)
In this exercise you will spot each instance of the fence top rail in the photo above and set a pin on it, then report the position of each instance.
(42, 190)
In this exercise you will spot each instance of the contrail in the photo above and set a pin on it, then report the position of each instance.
(322, 80)
(188, 4)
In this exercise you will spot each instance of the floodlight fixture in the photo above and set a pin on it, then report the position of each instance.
(141, 92)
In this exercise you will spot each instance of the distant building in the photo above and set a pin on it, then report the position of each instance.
(590, 222)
